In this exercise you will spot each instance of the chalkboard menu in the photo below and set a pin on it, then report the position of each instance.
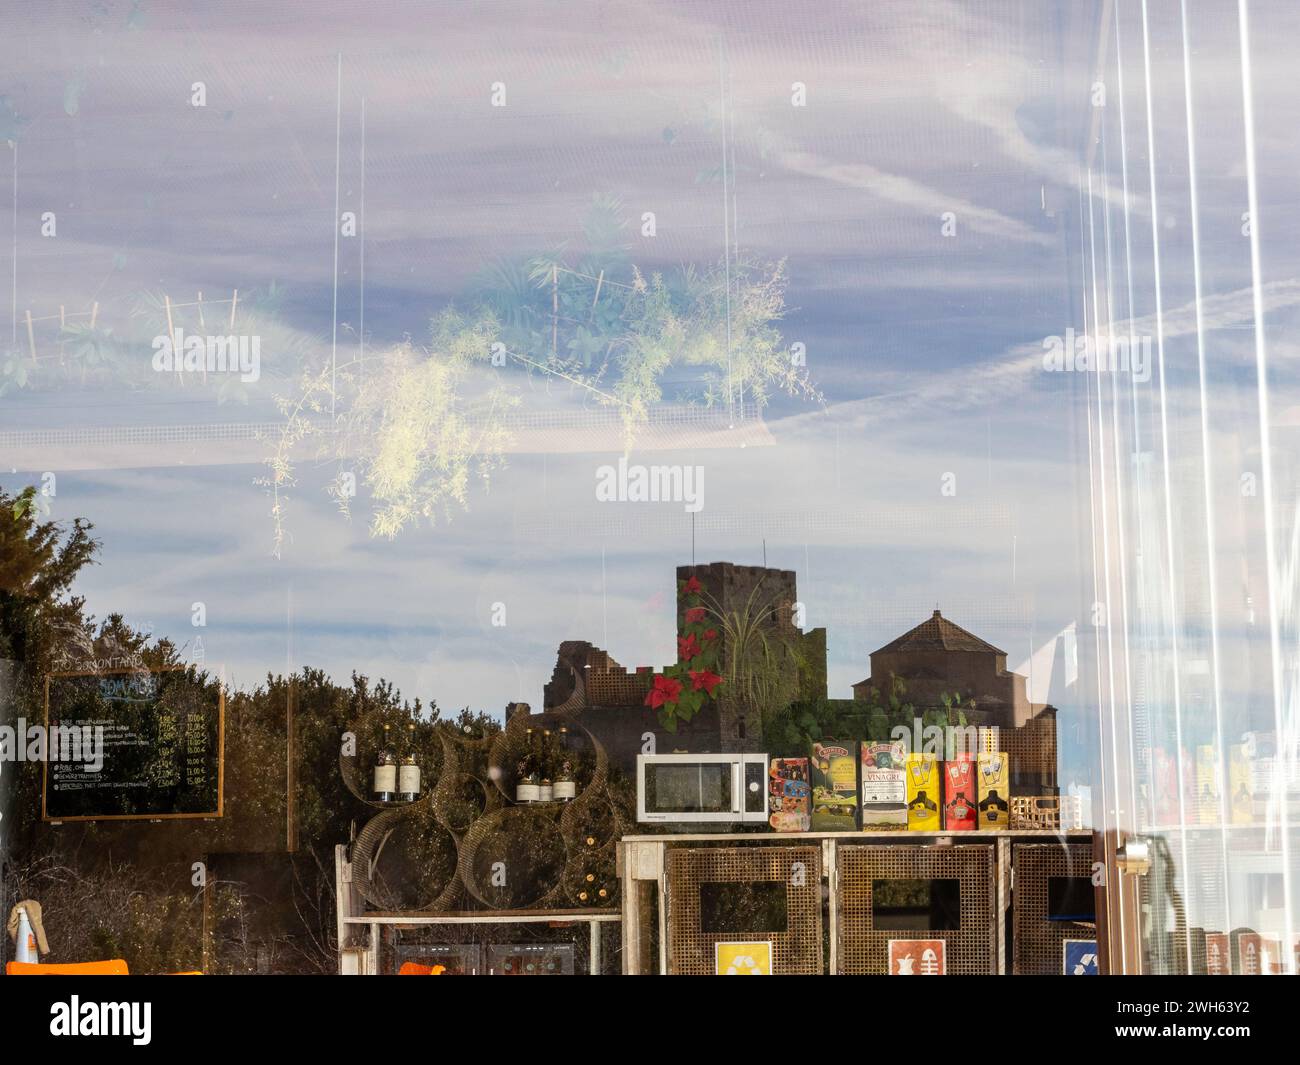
(133, 744)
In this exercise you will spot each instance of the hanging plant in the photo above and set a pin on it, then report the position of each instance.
(416, 426)
(421, 423)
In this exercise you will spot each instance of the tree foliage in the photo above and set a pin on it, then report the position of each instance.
(125, 889)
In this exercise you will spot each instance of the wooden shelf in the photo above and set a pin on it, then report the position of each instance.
(416, 917)
(1020, 835)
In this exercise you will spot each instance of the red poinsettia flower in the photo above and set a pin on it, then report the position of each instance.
(710, 635)
(693, 587)
(703, 680)
(695, 615)
(687, 647)
(665, 690)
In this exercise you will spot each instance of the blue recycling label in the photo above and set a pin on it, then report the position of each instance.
(1080, 957)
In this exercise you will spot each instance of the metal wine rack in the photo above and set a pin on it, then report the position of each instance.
(503, 856)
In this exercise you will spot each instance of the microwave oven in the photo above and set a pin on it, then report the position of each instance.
(701, 787)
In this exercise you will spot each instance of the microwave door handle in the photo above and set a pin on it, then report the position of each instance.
(737, 785)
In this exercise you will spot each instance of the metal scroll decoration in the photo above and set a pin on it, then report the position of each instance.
(498, 855)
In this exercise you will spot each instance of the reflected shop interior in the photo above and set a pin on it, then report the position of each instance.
(629, 487)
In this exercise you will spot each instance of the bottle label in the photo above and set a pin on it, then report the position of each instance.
(385, 778)
(527, 793)
(565, 789)
(546, 793)
(408, 779)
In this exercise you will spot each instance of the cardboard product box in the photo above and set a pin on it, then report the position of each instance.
(884, 786)
(993, 791)
(1191, 787)
(1218, 955)
(1209, 786)
(1164, 779)
(1263, 776)
(959, 793)
(924, 793)
(834, 770)
(789, 795)
(1241, 785)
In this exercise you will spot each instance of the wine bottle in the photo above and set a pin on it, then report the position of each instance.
(546, 787)
(385, 782)
(528, 782)
(408, 773)
(565, 787)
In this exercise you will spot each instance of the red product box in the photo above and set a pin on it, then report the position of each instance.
(959, 793)
(1165, 790)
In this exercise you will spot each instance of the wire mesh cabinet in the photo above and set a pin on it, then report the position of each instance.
(722, 894)
(830, 902)
(917, 893)
(1054, 902)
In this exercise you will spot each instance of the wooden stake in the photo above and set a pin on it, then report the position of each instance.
(599, 281)
(205, 958)
(203, 328)
(234, 299)
(31, 337)
(94, 313)
(291, 777)
(171, 335)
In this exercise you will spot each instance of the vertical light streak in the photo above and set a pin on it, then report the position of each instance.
(361, 237)
(1211, 550)
(1112, 731)
(1101, 466)
(1119, 519)
(1137, 430)
(1092, 504)
(726, 225)
(15, 236)
(1164, 443)
(1283, 754)
(338, 143)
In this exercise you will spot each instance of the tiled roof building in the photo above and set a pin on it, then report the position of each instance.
(939, 657)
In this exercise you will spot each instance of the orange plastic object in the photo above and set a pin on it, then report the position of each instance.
(411, 968)
(114, 967)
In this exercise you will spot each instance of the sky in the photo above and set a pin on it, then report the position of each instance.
(936, 196)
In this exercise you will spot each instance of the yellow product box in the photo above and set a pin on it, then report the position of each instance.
(993, 791)
(1241, 785)
(924, 793)
(1209, 786)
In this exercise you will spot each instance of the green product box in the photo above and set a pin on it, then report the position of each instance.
(834, 768)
